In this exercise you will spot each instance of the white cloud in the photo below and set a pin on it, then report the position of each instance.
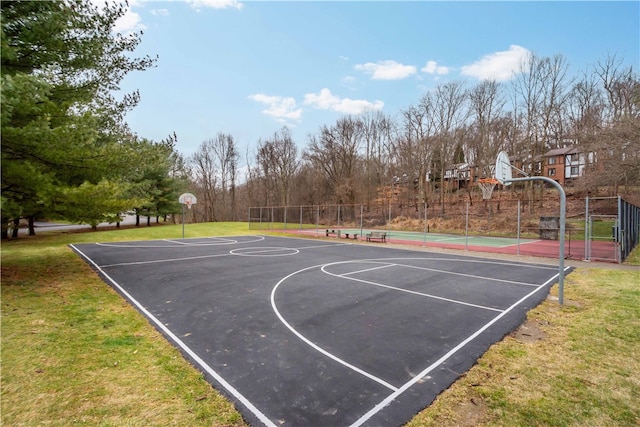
(129, 22)
(215, 4)
(325, 100)
(499, 66)
(432, 67)
(387, 70)
(279, 107)
(160, 12)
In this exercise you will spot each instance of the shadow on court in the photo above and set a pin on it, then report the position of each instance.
(299, 332)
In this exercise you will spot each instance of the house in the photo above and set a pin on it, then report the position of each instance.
(565, 164)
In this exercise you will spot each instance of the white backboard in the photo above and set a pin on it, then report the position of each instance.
(503, 169)
(187, 199)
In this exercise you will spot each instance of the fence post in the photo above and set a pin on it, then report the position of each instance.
(466, 230)
(586, 228)
(424, 243)
(518, 245)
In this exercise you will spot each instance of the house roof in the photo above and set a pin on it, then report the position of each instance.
(561, 151)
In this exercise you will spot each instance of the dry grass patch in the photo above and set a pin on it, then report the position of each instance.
(570, 365)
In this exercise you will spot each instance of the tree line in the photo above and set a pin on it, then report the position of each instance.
(67, 152)
(359, 159)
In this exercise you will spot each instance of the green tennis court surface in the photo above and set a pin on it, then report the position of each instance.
(417, 237)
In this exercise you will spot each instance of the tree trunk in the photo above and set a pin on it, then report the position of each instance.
(32, 229)
(16, 228)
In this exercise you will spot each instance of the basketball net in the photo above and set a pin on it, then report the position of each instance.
(188, 202)
(487, 185)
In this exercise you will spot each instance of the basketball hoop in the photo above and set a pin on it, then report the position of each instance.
(188, 199)
(487, 185)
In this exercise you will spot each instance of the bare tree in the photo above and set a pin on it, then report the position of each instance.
(486, 108)
(377, 134)
(226, 158)
(278, 160)
(414, 145)
(450, 112)
(214, 169)
(585, 109)
(335, 153)
(618, 148)
(205, 178)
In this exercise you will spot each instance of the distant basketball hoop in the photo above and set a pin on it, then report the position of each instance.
(187, 199)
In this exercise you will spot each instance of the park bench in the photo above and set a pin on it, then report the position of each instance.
(333, 233)
(377, 235)
(355, 235)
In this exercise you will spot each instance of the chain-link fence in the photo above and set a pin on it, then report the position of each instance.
(608, 223)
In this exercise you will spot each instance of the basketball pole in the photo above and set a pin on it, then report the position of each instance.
(563, 204)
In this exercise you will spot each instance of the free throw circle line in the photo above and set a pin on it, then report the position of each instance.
(264, 251)
(314, 345)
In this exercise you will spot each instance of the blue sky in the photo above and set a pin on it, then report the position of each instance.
(249, 68)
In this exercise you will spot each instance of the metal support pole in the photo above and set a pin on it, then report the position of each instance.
(563, 207)
(425, 224)
(285, 216)
(586, 228)
(466, 230)
(183, 220)
(518, 246)
(361, 215)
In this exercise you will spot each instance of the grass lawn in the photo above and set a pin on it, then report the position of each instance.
(74, 352)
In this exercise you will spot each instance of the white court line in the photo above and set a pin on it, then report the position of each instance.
(466, 258)
(176, 244)
(521, 243)
(217, 239)
(311, 343)
(266, 251)
(155, 261)
(469, 275)
(369, 269)
(446, 356)
(272, 249)
(235, 393)
(381, 285)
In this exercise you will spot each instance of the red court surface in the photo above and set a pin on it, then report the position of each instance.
(573, 249)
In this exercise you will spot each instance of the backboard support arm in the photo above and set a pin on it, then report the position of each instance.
(563, 205)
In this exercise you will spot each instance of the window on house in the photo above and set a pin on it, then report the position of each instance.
(552, 172)
(575, 171)
(551, 161)
(574, 158)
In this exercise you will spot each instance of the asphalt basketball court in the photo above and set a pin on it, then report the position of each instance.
(315, 332)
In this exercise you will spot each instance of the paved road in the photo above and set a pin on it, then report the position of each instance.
(54, 226)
